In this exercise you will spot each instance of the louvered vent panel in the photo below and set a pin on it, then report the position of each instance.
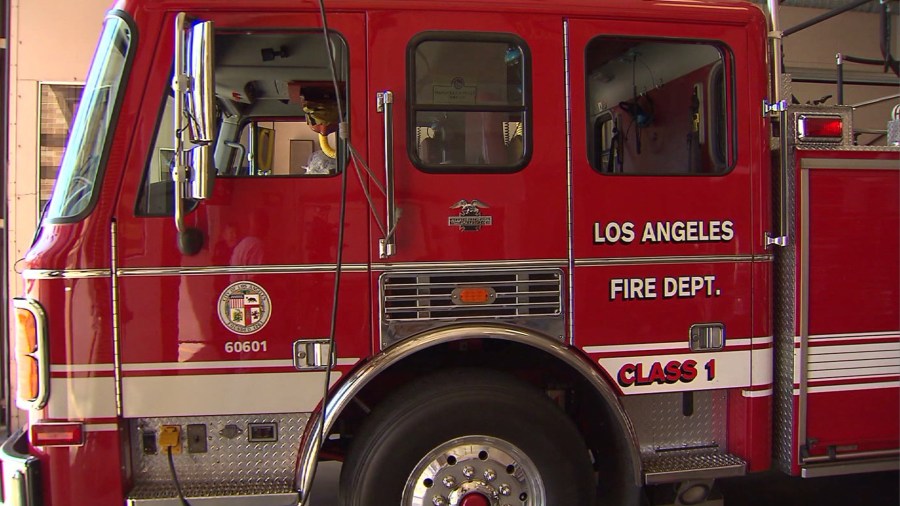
(408, 297)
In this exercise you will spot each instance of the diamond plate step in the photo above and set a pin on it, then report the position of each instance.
(261, 493)
(680, 466)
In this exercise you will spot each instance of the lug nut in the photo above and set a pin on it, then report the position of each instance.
(489, 474)
(439, 501)
(503, 489)
(449, 481)
(468, 471)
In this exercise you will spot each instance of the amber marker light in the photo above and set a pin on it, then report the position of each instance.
(473, 295)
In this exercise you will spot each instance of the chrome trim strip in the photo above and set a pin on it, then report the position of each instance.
(854, 455)
(838, 163)
(117, 345)
(352, 384)
(569, 188)
(853, 336)
(218, 364)
(41, 354)
(850, 467)
(476, 264)
(273, 499)
(804, 314)
(223, 364)
(699, 259)
(245, 269)
(65, 274)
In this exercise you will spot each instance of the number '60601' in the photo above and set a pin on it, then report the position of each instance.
(245, 346)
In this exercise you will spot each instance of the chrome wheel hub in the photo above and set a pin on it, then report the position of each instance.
(474, 471)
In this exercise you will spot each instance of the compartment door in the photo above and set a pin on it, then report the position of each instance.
(663, 221)
(848, 351)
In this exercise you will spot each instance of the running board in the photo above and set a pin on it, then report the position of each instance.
(214, 494)
(680, 466)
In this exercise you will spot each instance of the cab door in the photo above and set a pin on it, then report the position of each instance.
(665, 225)
(476, 136)
(215, 333)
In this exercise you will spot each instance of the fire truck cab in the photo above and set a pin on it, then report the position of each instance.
(499, 253)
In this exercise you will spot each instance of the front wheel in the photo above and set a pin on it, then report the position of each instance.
(468, 438)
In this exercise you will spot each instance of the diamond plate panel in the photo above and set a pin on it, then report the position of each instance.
(785, 311)
(660, 424)
(702, 460)
(228, 461)
(692, 465)
(167, 490)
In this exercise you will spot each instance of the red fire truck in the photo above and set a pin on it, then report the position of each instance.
(483, 253)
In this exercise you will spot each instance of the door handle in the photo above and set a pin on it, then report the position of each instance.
(385, 105)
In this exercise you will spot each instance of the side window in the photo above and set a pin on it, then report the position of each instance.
(658, 107)
(468, 102)
(277, 113)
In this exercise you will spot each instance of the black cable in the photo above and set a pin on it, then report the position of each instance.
(184, 502)
(890, 63)
(320, 433)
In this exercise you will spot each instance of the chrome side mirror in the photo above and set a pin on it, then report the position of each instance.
(201, 109)
(193, 84)
(201, 92)
(200, 161)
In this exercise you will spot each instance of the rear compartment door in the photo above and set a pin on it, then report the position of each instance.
(847, 344)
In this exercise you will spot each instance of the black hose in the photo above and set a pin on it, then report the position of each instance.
(889, 62)
(320, 433)
(184, 502)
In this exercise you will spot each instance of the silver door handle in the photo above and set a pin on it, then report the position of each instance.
(387, 246)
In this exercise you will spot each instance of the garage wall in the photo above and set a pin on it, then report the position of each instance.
(50, 40)
(851, 33)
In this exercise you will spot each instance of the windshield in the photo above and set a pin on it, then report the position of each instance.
(81, 162)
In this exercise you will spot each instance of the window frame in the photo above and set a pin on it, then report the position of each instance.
(726, 70)
(111, 130)
(342, 146)
(412, 108)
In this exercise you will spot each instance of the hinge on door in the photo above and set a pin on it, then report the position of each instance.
(769, 107)
(381, 98)
(780, 241)
(312, 354)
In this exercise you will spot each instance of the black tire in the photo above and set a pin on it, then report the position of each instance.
(493, 408)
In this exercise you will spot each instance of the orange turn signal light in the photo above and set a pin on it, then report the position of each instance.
(473, 295)
(28, 378)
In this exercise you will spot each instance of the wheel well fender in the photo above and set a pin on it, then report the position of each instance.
(349, 387)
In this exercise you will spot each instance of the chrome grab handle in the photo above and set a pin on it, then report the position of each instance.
(385, 105)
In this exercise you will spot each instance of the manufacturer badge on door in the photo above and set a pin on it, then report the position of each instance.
(470, 217)
(244, 307)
